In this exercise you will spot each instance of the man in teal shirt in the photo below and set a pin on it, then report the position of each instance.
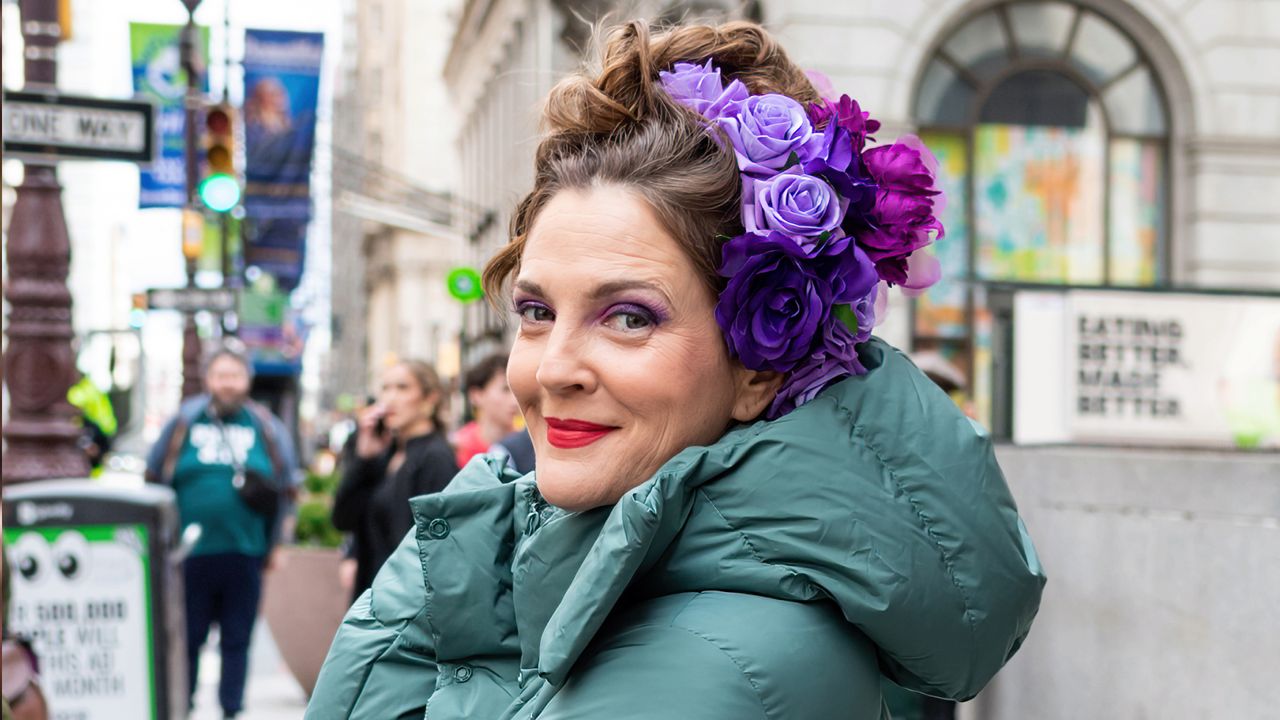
(215, 439)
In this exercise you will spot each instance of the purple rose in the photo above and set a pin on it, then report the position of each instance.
(904, 218)
(791, 202)
(834, 358)
(767, 131)
(780, 295)
(700, 88)
(864, 312)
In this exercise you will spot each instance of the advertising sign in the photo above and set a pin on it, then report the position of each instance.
(158, 76)
(81, 593)
(282, 86)
(1148, 368)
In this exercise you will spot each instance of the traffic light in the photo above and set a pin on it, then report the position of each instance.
(220, 189)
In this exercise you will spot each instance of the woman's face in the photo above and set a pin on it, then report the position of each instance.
(619, 363)
(402, 396)
(494, 402)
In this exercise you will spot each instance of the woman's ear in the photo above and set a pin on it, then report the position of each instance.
(756, 390)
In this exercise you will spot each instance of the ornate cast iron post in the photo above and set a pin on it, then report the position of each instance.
(41, 434)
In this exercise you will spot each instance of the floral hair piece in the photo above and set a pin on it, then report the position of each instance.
(829, 224)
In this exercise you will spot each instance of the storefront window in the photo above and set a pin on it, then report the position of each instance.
(1049, 125)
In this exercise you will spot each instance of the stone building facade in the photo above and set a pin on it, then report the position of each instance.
(394, 175)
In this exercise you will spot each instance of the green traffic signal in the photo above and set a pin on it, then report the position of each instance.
(219, 192)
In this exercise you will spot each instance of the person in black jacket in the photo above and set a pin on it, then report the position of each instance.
(398, 451)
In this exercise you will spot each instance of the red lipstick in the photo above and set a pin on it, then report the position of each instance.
(569, 434)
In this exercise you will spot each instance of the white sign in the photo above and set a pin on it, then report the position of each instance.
(192, 299)
(51, 125)
(1151, 368)
(80, 594)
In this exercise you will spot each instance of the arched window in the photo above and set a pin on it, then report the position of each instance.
(1050, 127)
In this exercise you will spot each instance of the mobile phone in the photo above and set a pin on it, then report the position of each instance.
(379, 427)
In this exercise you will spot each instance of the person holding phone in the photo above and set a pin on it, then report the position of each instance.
(398, 451)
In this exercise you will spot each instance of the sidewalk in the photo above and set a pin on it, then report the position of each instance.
(272, 693)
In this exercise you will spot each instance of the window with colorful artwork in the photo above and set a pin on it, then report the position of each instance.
(1050, 128)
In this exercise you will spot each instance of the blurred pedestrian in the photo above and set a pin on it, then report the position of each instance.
(517, 449)
(231, 463)
(398, 451)
(97, 421)
(493, 408)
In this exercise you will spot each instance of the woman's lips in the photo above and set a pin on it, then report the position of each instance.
(569, 434)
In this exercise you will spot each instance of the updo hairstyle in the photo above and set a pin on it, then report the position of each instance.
(618, 127)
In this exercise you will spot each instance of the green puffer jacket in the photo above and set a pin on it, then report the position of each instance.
(775, 574)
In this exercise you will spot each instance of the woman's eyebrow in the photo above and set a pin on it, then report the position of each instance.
(613, 288)
(601, 291)
(530, 287)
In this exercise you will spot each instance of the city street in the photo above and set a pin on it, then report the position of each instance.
(272, 693)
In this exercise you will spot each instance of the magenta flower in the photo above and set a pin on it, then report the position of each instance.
(904, 218)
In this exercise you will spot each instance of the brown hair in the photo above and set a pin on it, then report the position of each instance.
(428, 382)
(479, 375)
(619, 127)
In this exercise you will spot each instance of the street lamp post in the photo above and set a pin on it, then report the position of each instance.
(39, 363)
(191, 225)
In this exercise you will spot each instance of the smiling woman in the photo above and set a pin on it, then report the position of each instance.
(617, 364)
(744, 505)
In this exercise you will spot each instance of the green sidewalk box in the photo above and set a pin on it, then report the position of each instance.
(97, 589)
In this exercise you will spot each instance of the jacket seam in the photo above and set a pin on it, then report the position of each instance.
(746, 540)
(755, 689)
(925, 523)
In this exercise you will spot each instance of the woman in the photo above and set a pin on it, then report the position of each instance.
(742, 508)
(398, 452)
(492, 404)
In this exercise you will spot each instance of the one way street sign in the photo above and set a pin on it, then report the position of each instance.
(192, 299)
(48, 126)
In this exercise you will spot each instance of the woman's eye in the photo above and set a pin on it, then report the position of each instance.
(535, 313)
(630, 320)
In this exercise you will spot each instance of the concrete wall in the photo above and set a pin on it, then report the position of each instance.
(1164, 579)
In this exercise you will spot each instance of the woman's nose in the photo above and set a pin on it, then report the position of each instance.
(565, 364)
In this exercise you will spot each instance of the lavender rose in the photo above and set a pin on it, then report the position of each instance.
(904, 218)
(779, 296)
(791, 202)
(767, 131)
(701, 89)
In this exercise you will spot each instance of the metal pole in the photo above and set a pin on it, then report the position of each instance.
(223, 220)
(190, 54)
(39, 364)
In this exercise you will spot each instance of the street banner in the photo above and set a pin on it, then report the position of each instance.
(158, 76)
(282, 85)
(1141, 368)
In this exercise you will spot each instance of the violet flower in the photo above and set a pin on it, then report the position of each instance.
(779, 296)
(791, 202)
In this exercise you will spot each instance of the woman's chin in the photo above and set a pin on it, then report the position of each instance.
(572, 490)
